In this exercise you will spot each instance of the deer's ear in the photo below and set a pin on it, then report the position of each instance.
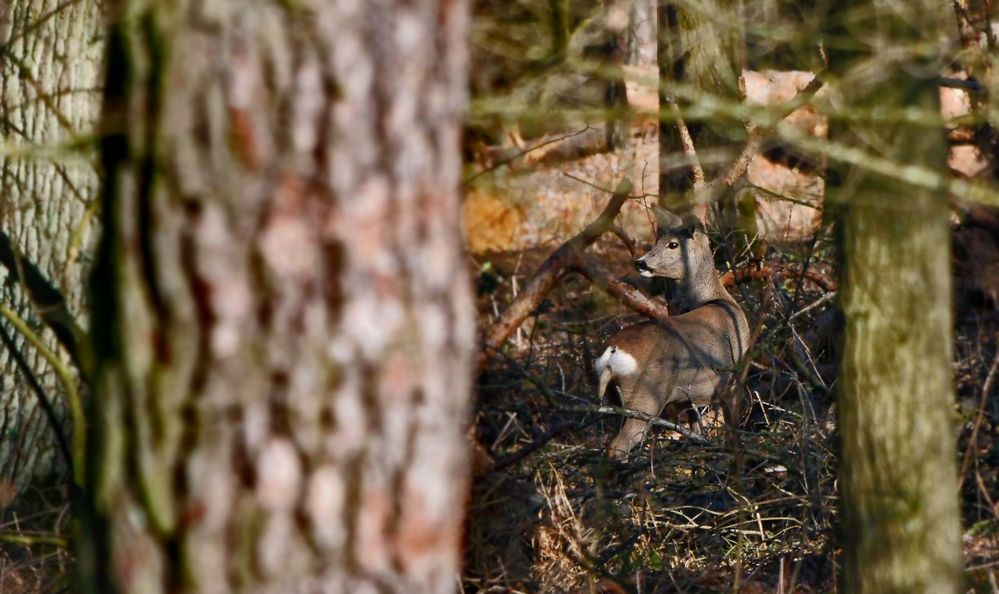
(691, 224)
(665, 219)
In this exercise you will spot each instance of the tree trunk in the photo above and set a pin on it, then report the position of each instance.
(50, 69)
(285, 329)
(698, 51)
(617, 17)
(901, 530)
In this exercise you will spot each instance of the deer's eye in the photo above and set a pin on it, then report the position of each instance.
(672, 245)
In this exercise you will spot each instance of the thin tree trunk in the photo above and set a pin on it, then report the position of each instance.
(901, 530)
(50, 68)
(699, 50)
(285, 329)
(617, 20)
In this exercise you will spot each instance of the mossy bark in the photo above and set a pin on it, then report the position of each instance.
(50, 69)
(901, 528)
(283, 323)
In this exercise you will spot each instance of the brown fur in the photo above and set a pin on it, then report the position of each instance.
(684, 358)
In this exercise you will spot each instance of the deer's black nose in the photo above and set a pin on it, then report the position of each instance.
(641, 266)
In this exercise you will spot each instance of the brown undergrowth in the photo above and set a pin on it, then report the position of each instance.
(34, 542)
(754, 511)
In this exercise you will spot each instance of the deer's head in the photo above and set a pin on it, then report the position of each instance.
(681, 248)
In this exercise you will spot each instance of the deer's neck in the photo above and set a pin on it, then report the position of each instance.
(702, 287)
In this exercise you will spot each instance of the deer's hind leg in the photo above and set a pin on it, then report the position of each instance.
(633, 430)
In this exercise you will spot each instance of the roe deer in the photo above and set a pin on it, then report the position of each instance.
(685, 357)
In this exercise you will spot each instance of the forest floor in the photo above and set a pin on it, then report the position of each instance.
(34, 537)
(754, 510)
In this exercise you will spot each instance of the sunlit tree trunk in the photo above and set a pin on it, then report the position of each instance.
(901, 530)
(283, 324)
(50, 70)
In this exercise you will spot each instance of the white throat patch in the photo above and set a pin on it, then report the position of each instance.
(618, 361)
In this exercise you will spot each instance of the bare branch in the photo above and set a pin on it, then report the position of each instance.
(753, 142)
(524, 152)
(552, 269)
(599, 275)
(761, 272)
(687, 142)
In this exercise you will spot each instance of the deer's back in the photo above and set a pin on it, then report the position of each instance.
(714, 335)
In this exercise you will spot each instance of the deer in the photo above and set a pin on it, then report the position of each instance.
(685, 357)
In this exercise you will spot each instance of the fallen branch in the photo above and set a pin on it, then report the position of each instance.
(764, 272)
(552, 269)
(599, 275)
(627, 241)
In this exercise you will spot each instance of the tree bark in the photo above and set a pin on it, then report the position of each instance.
(700, 51)
(617, 21)
(50, 68)
(901, 529)
(283, 319)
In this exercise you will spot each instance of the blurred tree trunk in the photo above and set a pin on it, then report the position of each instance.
(700, 53)
(617, 21)
(642, 36)
(283, 321)
(901, 530)
(50, 69)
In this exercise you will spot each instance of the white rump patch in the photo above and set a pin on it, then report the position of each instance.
(618, 361)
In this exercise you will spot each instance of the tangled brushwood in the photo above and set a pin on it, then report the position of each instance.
(750, 508)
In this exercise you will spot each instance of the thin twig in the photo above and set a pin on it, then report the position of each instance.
(34, 540)
(627, 241)
(753, 142)
(813, 305)
(742, 162)
(537, 443)
(523, 152)
(986, 389)
(587, 182)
